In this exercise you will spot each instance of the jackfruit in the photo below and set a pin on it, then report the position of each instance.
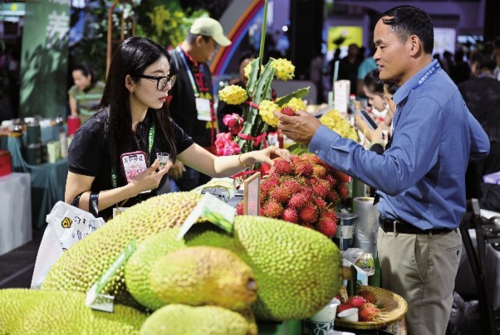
(179, 319)
(297, 269)
(204, 276)
(82, 265)
(27, 312)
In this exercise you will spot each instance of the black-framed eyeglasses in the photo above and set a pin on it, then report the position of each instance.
(161, 81)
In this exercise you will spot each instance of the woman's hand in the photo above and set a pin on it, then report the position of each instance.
(266, 155)
(177, 170)
(150, 178)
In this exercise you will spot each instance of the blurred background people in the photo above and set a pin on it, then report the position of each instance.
(191, 100)
(482, 96)
(85, 95)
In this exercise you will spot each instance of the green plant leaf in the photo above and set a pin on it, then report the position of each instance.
(300, 93)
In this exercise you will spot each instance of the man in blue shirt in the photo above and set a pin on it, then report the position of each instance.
(420, 178)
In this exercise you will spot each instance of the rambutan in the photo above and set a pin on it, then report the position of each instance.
(282, 167)
(343, 306)
(319, 171)
(342, 176)
(290, 215)
(343, 190)
(272, 209)
(239, 208)
(327, 227)
(331, 179)
(368, 312)
(295, 159)
(309, 213)
(367, 295)
(304, 169)
(288, 111)
(329, 214)
(298, 201)
(320, 203)
(281, 194)
(357, 301)
(311, 158)
(293, 185)
(333, 197)
(320, 190)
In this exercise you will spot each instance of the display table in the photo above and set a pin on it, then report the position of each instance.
(15, 213)
(48, 181)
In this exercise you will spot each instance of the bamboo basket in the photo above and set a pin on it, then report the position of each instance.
(393, 308)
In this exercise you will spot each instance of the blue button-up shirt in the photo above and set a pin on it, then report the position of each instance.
(421, 178)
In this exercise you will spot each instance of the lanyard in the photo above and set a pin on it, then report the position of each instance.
(432, 70)
(190, 74)
(151, 137)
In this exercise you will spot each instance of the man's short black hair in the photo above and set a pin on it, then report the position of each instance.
(410, 20)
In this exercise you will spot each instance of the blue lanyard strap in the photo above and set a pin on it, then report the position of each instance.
(432, 70)
(188, 69)
(151, 137)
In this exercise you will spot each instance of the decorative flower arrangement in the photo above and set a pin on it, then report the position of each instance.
(258, 106)
(304, 191)
(336, 122)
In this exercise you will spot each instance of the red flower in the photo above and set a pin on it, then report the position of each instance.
(234, 122)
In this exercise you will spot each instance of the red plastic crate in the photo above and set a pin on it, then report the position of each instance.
(5, 163)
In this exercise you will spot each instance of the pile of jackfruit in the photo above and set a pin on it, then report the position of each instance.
(208, 282)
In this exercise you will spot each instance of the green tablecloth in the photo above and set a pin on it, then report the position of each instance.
(48, 181)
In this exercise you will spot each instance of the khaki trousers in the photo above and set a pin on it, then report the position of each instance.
(421, 269)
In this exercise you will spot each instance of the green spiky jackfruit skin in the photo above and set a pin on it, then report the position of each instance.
(298, 270)
(82, 265)
(35, 312)
(204, 275)
(179, 319)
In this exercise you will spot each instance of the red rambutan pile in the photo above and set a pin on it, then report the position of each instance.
(304, 191)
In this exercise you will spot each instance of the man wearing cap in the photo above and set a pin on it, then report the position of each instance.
(191, 98)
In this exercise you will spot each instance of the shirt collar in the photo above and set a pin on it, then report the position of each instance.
(188, 56)
(403, 91)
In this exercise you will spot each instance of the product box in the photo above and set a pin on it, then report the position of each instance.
(5, 163)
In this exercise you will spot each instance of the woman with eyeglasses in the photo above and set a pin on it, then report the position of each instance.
(133, 117)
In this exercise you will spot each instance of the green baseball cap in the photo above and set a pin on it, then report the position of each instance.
(209, 27)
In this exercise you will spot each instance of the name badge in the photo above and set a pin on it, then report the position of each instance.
(203, 109)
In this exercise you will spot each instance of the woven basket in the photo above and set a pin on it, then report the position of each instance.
(392, 306)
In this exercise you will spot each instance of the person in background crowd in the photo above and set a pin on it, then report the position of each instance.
(133, 117)
(496, 50)
(420, 176)
(448, 61)
(85, 94)
(348, 67)
(366, 66)
(380, 98)
(482, 96)
(461, 69)
(223, 108)
(191, 100)
(316, 75)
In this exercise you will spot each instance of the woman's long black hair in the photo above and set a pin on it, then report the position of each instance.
(132, 57)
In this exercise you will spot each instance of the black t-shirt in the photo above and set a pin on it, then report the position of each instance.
(88, 153)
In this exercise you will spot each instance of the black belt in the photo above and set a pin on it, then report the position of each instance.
(401, 227)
